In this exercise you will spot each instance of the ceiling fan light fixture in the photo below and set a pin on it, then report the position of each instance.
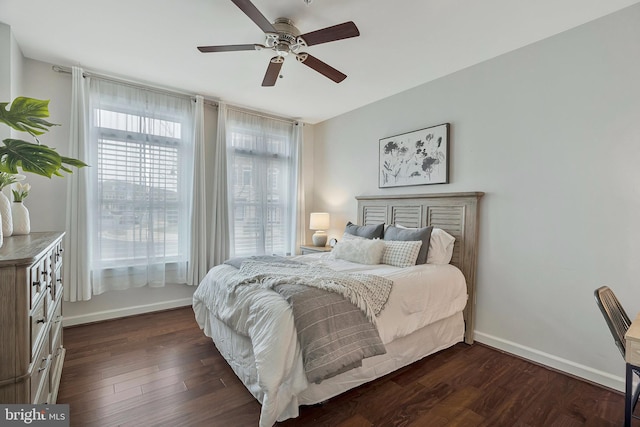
(282, 49)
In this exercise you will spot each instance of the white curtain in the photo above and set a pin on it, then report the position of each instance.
(141, 153)
(198, 258)
(300, 215)
(219, 249)
(263, 156)
(77, 278)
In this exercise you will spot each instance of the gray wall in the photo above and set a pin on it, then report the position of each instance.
(551, 134)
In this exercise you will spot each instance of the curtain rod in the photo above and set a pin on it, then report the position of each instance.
(174, 92)
(158, 89)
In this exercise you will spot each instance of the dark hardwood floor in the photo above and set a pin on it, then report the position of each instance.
(160, 370)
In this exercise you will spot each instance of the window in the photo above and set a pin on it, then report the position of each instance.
(142, 187)
(262, 157)
(138, 187)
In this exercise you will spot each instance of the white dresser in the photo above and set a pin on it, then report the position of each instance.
(31, 347)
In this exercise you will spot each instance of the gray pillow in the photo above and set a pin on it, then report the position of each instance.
(366, 231)
(411, 234)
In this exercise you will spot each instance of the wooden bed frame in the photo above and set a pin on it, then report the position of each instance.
(456, 213)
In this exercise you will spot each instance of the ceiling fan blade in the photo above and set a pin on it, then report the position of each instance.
(255, 15)
(321, 67)
(337, 32)
(228, 48)
(273, 71)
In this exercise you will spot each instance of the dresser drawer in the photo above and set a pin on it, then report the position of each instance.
(56, 283)
(37, 280)
(56, 271)
(40, 374)
(55, 334)
(57, 360)
(56, 256)
(38, 320)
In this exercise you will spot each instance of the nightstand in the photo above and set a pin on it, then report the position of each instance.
(314, 249)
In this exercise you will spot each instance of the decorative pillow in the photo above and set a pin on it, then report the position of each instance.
(400, 253)
(411, 234)
(366, 231)
(440, 247)
(362, 251)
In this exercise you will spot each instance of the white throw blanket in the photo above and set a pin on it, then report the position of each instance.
(368, 292)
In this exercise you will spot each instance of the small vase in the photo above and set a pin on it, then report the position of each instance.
(5, 211)
(21, 221)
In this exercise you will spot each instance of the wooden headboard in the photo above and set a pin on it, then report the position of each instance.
(456, 213)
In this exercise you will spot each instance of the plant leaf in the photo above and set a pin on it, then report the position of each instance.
(72, 162)
(34, 158)
(26, 115)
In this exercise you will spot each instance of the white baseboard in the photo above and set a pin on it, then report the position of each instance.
(555, 362)
(124, 312)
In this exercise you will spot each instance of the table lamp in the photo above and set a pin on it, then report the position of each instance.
(319, 221)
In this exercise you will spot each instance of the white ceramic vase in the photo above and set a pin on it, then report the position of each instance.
(21, 221)
(5, 212)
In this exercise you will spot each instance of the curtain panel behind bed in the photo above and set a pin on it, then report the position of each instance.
(263, 157)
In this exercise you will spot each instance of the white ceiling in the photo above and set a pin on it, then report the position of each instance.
(402, 43)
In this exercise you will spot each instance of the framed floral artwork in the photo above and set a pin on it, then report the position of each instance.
(415, 158)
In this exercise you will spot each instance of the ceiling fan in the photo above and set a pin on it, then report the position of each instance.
(284, 39)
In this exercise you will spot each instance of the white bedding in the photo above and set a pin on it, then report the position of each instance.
(421, 295)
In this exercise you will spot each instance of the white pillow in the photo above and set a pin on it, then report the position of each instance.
(401, 253)
(440, 246)
(362, 251)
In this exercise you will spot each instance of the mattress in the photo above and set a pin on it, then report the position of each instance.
(422, 315)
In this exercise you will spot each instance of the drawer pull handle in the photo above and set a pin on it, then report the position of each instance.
(36, 283)
(59, 280)
(44, 359)
(40, 321)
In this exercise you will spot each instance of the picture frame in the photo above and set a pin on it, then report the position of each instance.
(420, 157)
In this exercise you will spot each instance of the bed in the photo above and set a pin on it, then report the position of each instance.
(429, 308)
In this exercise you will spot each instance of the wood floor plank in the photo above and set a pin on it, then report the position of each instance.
(453, 405)
(159, 369)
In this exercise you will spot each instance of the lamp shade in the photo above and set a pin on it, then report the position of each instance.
(319, 221)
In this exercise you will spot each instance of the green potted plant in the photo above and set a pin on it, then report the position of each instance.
(27, 115)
